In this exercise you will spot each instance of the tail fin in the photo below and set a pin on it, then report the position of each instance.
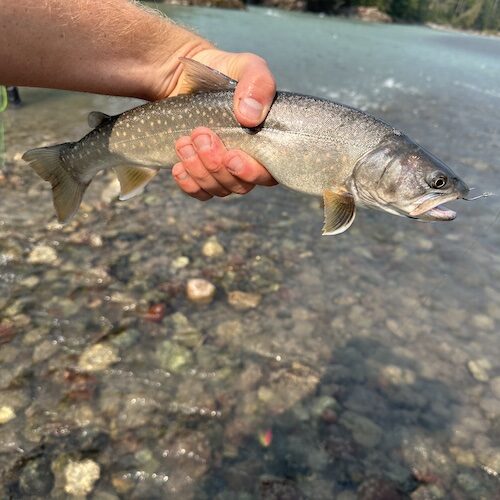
(67, 192)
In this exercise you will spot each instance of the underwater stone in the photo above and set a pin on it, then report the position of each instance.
(81, 477)
(212, 248)
(244, 300)
(42, 254)
(364, 431)
(173, 357)
(7, 413)
(98, 357)
(200, 291)
(180, 262)
(36, 478)
(479, 369)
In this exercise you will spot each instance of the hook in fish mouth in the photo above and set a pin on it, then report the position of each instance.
(433, 209)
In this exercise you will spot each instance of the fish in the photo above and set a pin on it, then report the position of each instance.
(311, 145)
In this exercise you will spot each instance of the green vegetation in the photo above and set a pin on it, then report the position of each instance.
(483, 15)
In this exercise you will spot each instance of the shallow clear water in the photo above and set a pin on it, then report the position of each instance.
(369, 368)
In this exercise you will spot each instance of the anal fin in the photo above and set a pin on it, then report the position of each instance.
(133, 179)
(340, 211)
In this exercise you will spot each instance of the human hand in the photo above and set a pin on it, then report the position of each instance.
(207, 168)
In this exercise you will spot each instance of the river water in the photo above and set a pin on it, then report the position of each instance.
(362, 366)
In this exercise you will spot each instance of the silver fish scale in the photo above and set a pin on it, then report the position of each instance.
(307, 144)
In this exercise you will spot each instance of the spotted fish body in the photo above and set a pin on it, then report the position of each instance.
(308, 144)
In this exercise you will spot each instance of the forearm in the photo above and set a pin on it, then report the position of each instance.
(108, 47)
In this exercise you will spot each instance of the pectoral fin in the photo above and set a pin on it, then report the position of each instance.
(201, 78)
(340, 211)
(133, 180)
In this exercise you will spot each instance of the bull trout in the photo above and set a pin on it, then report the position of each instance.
(308, 144)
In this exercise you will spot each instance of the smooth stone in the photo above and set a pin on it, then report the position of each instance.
(7, 414)
(44, 350)
(98, 357)
(483, 322)
(228, 331)
(81, 477)
(173, 357)
(397, 376)
(479, 369)
(244, 300)
(42, 254)
(200, 291)
(36, 478)
(364, 431)
(212, 248)
(180, 262)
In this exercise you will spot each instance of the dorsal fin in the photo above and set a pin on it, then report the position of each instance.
(95, 118)
(201, 78)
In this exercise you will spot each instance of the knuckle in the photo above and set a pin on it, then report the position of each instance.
(214, 167)
(239, 189)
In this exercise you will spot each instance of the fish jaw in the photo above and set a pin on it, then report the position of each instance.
(433, 209)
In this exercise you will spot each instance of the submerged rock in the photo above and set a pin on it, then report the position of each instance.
(200, 291)
(244, 300)
(173, 357)
(98, 357)
(42, 254)
(7, 414)
(364, 431)
(212, 248)
(36, 478)
(479, 369)
(81, 477)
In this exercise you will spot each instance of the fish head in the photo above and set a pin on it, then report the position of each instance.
(402, 178)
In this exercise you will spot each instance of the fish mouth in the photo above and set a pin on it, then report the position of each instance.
(433, 209)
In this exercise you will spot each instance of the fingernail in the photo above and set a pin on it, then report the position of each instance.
(202, 142)
(251, 108)
(182, 176)
(235, 165)
(187, 151)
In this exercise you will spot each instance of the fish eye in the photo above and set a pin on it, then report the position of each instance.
(438, 181)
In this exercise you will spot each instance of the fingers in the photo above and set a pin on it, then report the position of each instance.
(202, 167)
(188, 184)
(255, 91)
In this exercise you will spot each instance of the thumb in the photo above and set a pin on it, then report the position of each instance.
(255, 91)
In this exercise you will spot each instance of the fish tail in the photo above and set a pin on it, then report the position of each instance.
(67, 192)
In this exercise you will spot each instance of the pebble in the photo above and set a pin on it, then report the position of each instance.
(483, 322)
(364, 431)
(180, 262)
(212, 248)
(244, 300)
(173, 357)
(228, 331)
(42, 254)
(36, 478)
(7, 414)
(98, 357)
(200, 291)
(81, 477)
(397, 376)
(479, 369)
